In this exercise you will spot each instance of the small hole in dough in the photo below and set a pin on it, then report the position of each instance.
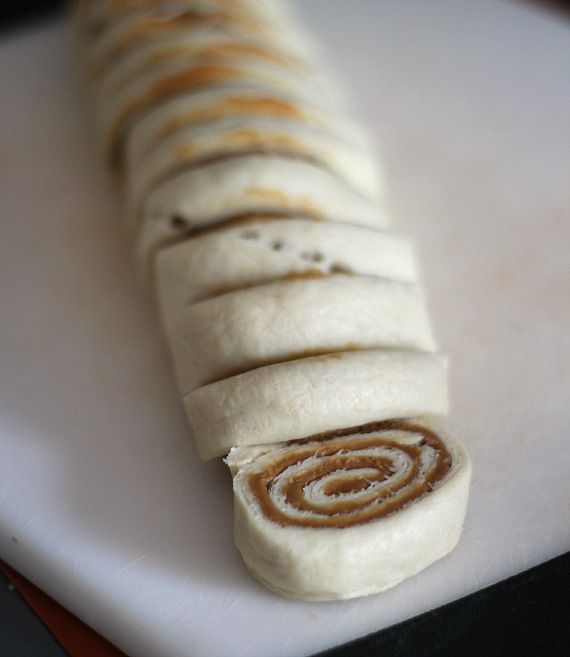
(277, 245)
(312, 256)
(179, 224)
(249, 235)
(337, 268)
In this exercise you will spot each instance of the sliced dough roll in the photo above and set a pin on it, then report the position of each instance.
(292, 319)
(217, 103)
(350, 513)
(103, 12)
(192, 146)
(202, 45)
(249, 184)
(291, 400)
(107, 38)
(117, 110)
(267, 249)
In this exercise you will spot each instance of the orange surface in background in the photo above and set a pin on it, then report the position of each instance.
(78, 639)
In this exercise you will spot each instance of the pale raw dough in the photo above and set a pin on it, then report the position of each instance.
(266, 250)
(303, 397)
(326, 563)
(243, 185)
(291, 319)
(193, 145)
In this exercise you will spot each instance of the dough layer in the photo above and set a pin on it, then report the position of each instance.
(291, 400)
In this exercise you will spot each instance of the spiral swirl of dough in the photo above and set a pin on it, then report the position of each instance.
(349, 477)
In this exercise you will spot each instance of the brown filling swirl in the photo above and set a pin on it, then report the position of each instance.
(382, 490)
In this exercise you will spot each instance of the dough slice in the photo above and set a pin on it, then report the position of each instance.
(218, 103)
(118, 110)
(291, 400)
(350, 513)
(192, 146)
(267, 249)
(200, 45)
(109, 31)
(249, 184)
(292, 319)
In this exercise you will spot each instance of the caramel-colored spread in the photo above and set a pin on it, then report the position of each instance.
(307, 274)
(212, 53)
(310, 272)
(302, 204)
(378, 502)
(157, 25)
(239, 140)
(263, 106)
(263, 139)
(182, 81)
(355, 484)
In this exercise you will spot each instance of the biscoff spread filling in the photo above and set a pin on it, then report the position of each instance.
(351, 476)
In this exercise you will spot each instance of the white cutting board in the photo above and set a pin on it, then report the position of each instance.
(103, 502)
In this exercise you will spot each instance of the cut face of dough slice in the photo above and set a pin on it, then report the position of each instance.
(195, 145)
(291, 400)
(117, 110)
(219, 103)
(265, 250)
(249, 184)
(292, 319)
(352, 513)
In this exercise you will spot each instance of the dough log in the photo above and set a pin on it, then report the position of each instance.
(295, 317)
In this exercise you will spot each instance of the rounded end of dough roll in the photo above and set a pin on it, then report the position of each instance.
(351, 514)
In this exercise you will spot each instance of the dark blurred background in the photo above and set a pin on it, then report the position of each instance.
(22, 11)
(14, 14)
